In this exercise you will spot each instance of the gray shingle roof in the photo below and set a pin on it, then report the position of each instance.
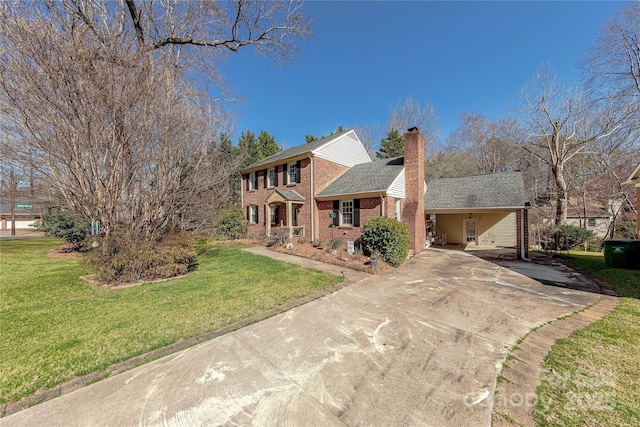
(366, 178)
(295, 151)
(498, 190)
(290, 195)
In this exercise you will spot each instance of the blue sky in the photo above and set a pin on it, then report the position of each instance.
(367, 55)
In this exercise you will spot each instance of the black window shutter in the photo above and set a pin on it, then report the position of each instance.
(275, 174)
(249, 213)
(284, 174)
(336, 212)
(298, 164)
(255, 180)
(356, 213)
(264, 214)
(246, 182)
(265, 178)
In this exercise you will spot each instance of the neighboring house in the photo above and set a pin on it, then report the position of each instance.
(481, 210)
(634, 179)
(27, 212)
(599, 223)
(327, 189)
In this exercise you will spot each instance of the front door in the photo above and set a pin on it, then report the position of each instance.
(470, 231)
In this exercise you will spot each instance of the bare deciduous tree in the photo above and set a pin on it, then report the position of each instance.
(409, 113)
(98, 94)
(562, 123)
(489, 143)
(613, 64)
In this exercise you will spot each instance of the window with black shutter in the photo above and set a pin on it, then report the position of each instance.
(264, 178)
(336, 212)
(284, 174)
(298, 166)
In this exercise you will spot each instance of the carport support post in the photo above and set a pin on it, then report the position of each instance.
(522, 234)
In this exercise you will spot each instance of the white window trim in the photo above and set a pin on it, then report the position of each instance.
(271, 175)
(397, 205)
(291, 178)
(342, 206)
(253, 179)
(253, 214)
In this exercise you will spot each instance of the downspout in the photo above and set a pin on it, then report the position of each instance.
(313, 201)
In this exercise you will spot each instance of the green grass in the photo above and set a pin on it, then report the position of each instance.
(54, 327)
(591, 377)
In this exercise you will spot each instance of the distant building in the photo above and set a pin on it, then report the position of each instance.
(27, 212)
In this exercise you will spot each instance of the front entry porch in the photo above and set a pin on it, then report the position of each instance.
(292, 202)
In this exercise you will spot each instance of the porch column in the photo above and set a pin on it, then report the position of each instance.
(268, 219)
(289, 218)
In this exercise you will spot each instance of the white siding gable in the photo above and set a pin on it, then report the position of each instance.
(345, 150)
(397, 189)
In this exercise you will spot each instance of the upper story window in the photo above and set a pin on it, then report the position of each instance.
(272, 178)
(346, 212)
(291, 173)
(252, 183)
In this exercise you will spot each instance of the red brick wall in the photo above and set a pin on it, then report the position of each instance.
(369, 208)
(325, 172)
(259, 196)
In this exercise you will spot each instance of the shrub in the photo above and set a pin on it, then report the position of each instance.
(61, 221)
(564, 237)
(120, 259)
(627, 230)
(231, 224)
(387, 237)
(279, 236)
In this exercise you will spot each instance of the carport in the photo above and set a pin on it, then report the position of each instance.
(480, 210)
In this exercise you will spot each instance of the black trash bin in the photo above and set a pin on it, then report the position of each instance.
(623, 253)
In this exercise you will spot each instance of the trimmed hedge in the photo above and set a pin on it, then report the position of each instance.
(388, 238)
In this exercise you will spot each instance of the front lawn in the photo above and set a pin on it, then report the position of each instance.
(54, 327)
(591, 377)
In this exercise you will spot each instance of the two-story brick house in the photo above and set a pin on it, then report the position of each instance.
(327, 189)
(280, 190)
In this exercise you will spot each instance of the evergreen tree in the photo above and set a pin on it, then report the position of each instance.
(257, 149)
(311, 138)
(391, 146)
(267, 145)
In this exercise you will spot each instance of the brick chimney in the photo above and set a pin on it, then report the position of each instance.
(413, 213)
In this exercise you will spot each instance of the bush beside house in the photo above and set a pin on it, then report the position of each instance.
(387, 237)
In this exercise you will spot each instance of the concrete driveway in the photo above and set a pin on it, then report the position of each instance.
(418, 346)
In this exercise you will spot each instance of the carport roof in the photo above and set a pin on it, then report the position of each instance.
(498, 190)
